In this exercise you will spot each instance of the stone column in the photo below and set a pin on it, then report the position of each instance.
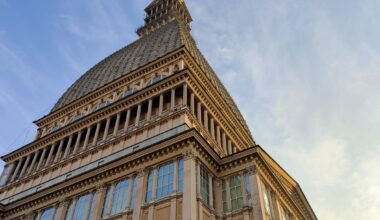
(205, 120)
(211, 192)
(189, 204)
(218, 198)
(149, 110)
(6, 173)
(175, 177)
(128, 116)
(192, 103)
(161, 105)
(198, 179)
(140, 192)
(218, 135)
(33, 162)
(58, 155)
(154, 185)
(172, 100)
(116, 128)
(52, 148)
(67, 151)
(25, 166)
(257, 194)
(62, 209)
(228, 195)
(77, 142)
(184, 94)
(212, 125)
(199, 106)
(224, 143)
(41, 158)
(229, 147)
(99, 202)
(17, 169)
(107, 128)
(96, 136)
(87, 138)
(138, 115)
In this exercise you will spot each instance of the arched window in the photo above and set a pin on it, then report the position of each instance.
(129, 92)
(156, 79)
(102, 105)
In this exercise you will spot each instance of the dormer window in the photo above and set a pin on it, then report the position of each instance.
(156, 79)
(77, 117)
(102, 105)
(129, 92)
(55, 128)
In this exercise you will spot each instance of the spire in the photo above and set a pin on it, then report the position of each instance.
(160, 12)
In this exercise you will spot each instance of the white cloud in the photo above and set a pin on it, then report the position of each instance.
(306, 77)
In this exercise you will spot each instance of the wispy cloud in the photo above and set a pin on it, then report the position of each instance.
(312, 78)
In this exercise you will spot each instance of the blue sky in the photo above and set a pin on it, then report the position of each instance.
(304, 73)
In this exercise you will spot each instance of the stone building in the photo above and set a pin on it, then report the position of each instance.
(150, 132)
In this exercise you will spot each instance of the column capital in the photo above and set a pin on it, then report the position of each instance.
(141, 172)
(189, 155)
(252, 170)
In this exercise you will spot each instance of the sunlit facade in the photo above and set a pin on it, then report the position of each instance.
(148, 133)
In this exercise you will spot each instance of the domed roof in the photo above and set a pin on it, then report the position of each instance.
(141, 52)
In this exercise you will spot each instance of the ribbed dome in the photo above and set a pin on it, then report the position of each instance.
(141, 52)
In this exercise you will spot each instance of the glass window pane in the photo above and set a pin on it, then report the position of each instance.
(165, 177)
(149, 186)
(81, 207)
(120, 195)
(69, 211)
(47, 214)
(134, 188)
(180, 175)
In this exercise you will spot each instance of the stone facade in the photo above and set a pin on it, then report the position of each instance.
(159, 139)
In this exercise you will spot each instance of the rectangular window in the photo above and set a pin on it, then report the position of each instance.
(134, 188)
(204, 185)
(236, 193)
(267, 202)
(81, 207)
(149, 187)
(92, 206)
(248, 189)
(285, 215)
(107, 200)
(69, 211)
(180, 175)
(48, 214)
(120, 195)
(165, 179)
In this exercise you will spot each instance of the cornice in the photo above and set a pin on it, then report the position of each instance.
(216, 96)
(217, 113)
(95, 176)
(142, 95)
(94, 149)
(269, 175)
